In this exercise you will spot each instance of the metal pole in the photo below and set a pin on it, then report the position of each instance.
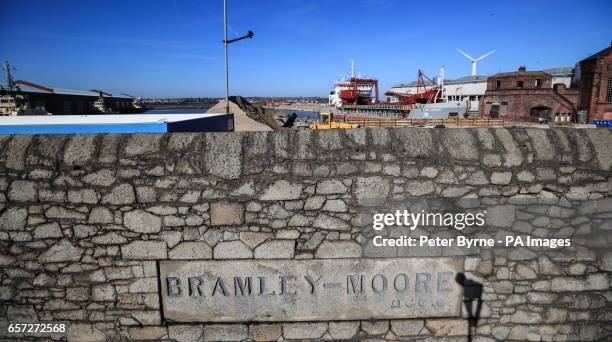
(226, 59)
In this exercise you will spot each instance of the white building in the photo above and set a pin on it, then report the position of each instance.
(472, 88)
(564, 75)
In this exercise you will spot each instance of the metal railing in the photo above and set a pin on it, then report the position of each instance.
(387, 122)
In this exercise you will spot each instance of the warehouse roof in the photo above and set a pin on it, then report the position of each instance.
(560, 71)
(522, 71)
(29, 87)
(599, 54)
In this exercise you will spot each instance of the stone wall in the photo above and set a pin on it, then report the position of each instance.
(84, 219)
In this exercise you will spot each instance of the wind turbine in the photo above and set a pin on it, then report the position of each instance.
(474, 61)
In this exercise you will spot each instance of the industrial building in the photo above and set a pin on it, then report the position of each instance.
(560, 94)
(528, 96)
(596, 85)
(473, 88)
(59, 101)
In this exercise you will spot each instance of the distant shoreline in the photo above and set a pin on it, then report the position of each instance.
(199, 106)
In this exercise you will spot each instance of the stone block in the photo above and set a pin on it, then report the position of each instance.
(606, 262)
(186, 333)
(314, 203)
(459, 144)
(16, 151)
(513, 155)
(447, 327)
(62, 251)
(80, 149)
(22, 191)
(601, 139)
(147, 333)
(371, 190)
(142, 143)
(78, 332)
(141, 221)
(501, 216)
(338, 249)
(101, 215)
(415, 143)
(226, 213)
(147, 317)
(525, 317)
(254, 239)
(282, 190)
(104, 177)
(224, 155)
(104, 293)
(335, 205)
(48, 230)
(144, 250)
(276, 249)
(13, 219)
(225, 332)
(143, 285)
(330, 223)
(375, 327)
(542, 145)
(343, 330)
(111, 238)
(232, 250)
(300, 331)
(86, 196)
(407, 327)
(501, 178)
(419, 188)
(331, 186)
(594, 282)
(120, 195)
(265, 332)
(191, 250)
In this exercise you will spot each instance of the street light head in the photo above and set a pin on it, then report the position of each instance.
(250, 34)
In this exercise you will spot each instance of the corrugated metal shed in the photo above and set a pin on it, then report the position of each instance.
(26, 89)
(74, 92)
(29, 87)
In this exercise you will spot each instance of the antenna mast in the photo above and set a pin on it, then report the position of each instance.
(225, 43)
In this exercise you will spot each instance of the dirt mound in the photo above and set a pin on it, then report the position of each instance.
(254, 112)
(242, 122)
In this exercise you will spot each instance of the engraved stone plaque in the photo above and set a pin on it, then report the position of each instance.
(309, 290)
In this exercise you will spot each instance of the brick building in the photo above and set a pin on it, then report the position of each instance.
(596, 85)
(527, 96)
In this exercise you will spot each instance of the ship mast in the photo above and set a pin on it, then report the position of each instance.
(226, 62)
(9, 77)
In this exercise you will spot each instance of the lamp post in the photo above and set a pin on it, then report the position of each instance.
(225, 43)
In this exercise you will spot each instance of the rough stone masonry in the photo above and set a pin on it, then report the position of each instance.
(85, 220)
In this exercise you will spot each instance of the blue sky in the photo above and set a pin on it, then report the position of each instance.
(172, 48)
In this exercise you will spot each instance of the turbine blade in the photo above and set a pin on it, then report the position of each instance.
(485, 55)
(466, 55)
